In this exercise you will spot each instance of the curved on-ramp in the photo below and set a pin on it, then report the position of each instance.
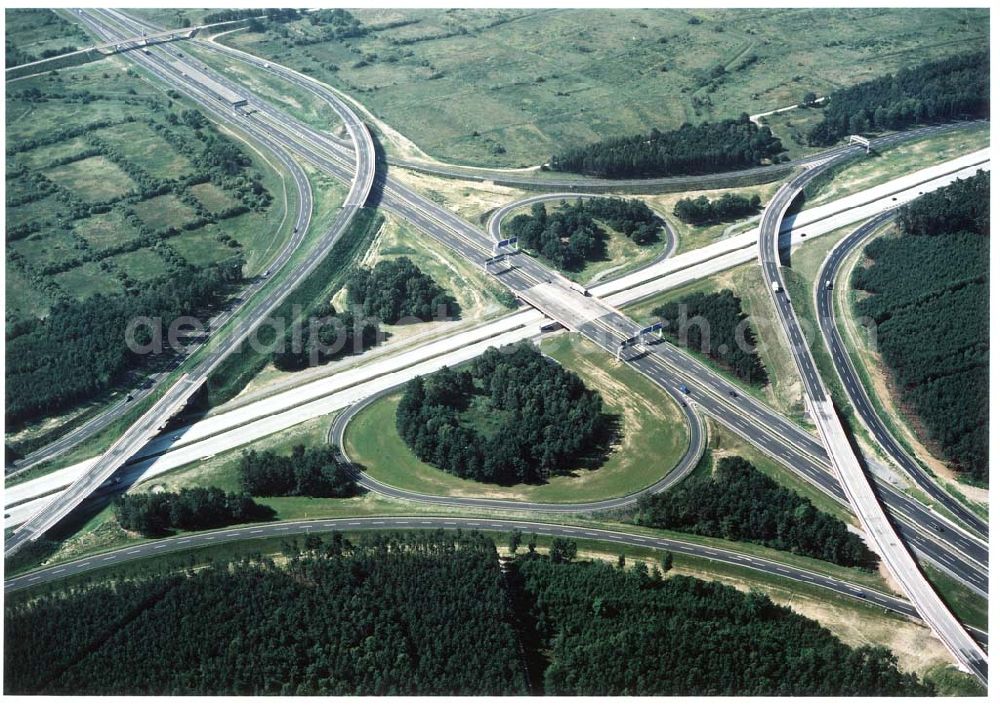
(686, 464)
(859, 490)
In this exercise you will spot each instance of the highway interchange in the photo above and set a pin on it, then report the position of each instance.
(531, 281)
(947, 549)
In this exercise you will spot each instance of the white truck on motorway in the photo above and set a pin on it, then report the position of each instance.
(775, 286)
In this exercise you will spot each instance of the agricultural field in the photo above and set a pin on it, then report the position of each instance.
(116, 186)
(33, 34)
(104, 188)
(511, 87)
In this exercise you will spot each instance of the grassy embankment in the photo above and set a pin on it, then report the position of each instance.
(460, 86)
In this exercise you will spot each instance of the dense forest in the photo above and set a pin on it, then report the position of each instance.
(630, 217)
(153, 514)
(396, 291)
(690, 149)
(715, 325)
(630, 633)
(515, 417)
(740, 503)
(312, 472)
(390, 615)
(935, 91)
(80, 349)
(702, 211)
(427, 614)
(570, 235)
(928, 295)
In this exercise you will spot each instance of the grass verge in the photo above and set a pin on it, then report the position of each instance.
(237, 370)
(653, 439)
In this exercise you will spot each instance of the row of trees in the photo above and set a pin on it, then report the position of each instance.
(929, 299)
(80, 349)
(309, 300)
(740, 503)
(385, 615)
(690, 149)
(273, 14)
(608, 632)
(570, 235)
(702, 211)
(543, 419)
(935, 91)
(397, 291)
(190, 509)
(313, 472)
(715, 325)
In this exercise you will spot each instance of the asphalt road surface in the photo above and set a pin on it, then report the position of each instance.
(608, 330)
(162, 547)
(687, 463)
(864, 500)
(475, 245)
(856, 391)
(174, 399)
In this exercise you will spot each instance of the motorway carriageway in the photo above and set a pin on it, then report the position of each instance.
(263, 418)
(879, 529)
(444, 226)
(140, 432)
(193, 541)
(417, 210)
(514, 327)
(414, 211)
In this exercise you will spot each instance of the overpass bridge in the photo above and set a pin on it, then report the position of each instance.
(145, 40)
